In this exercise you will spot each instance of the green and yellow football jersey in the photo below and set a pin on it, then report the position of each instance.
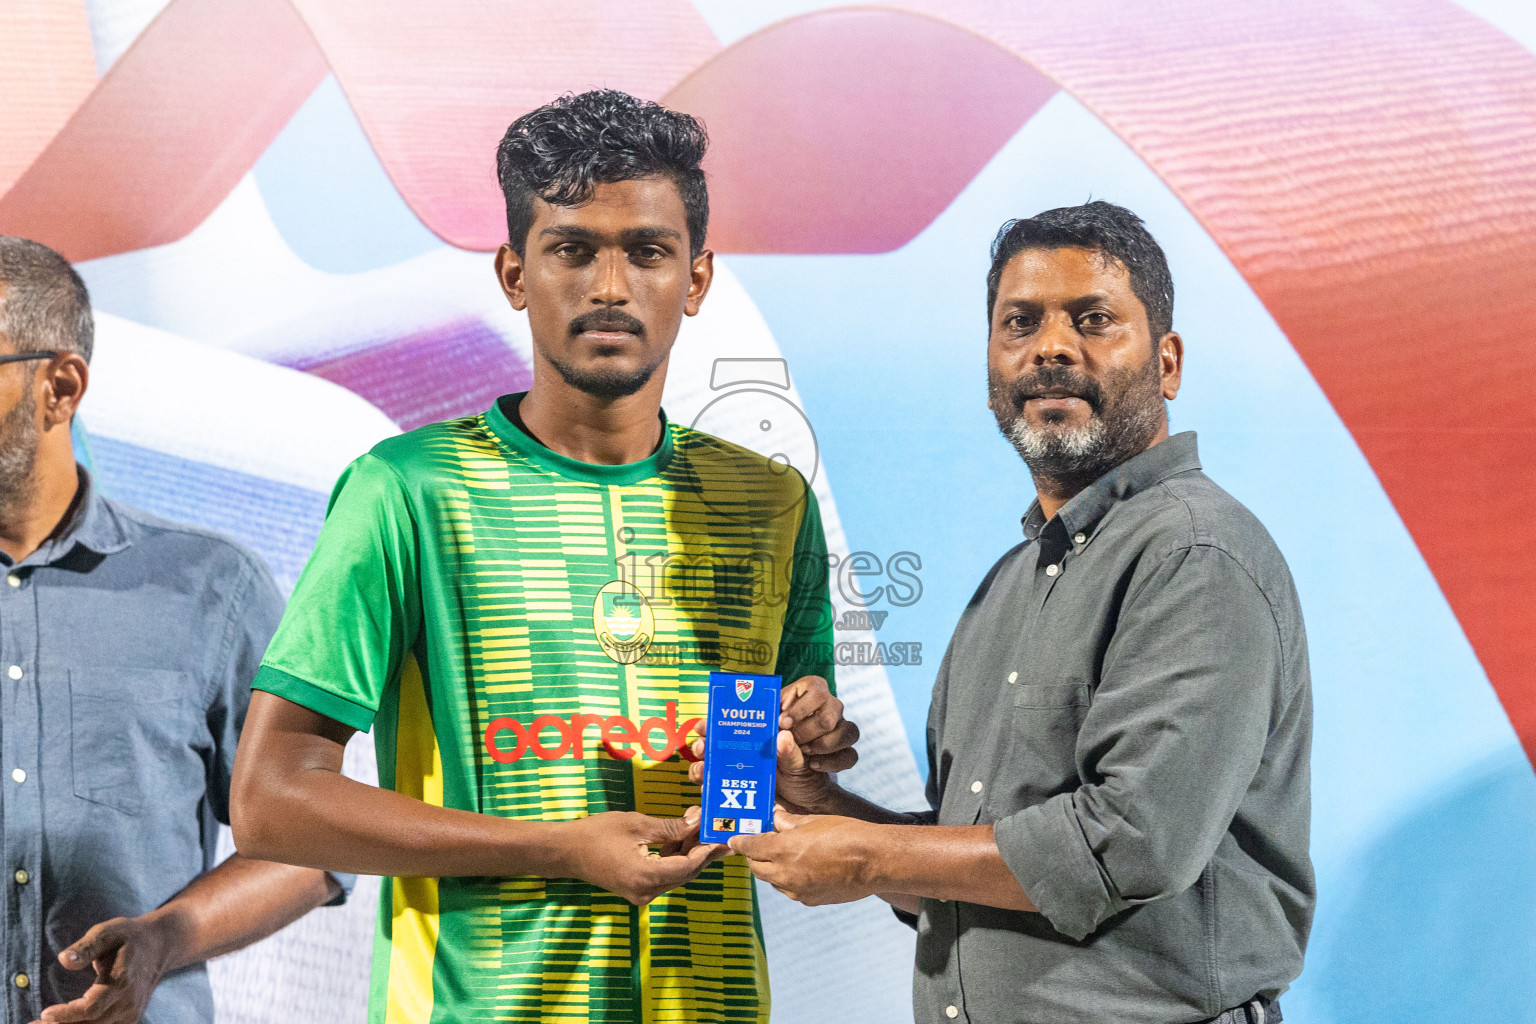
(532, 636)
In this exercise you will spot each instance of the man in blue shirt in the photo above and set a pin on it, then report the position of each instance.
(127, 647)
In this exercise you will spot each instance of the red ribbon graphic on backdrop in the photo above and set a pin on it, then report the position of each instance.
(1369, 168)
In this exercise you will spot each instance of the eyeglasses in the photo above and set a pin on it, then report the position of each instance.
(21, 357)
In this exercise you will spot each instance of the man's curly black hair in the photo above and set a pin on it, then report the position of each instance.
(1109, 230)
(562, 150)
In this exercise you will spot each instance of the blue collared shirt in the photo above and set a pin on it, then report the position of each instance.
(127, 648)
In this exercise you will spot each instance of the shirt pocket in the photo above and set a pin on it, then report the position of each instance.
(1042, 760)
(124, 724)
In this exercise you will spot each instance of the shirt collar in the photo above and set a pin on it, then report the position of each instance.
(1178, 454)
(623, 474)
(93, 524)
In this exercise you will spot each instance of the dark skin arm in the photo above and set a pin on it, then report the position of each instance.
(849, 848)
(230, 907)
(290, 802)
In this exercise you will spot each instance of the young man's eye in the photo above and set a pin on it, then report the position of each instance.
(1019, 322)
(1095, 319)
(649, 254)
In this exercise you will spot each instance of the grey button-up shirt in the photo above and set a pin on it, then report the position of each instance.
(127, 648)
(1126, 699)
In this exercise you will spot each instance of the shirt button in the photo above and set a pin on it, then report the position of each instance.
(1013, 677)
(14, 671)
(22, 878)
(949, 1011)
(18, 774)
(1080, 538)
(1050, 570)
(22, 981)
(13, 580)
(976, 786)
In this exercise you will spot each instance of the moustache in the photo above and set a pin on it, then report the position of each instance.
(607, 320)
(1056, 380)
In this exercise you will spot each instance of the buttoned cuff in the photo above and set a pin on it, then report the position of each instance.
(1043, 846)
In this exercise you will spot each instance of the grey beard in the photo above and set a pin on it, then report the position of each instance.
(18, 455)
(1061, 453)
(1074, 457)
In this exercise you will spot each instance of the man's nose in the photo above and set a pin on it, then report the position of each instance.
(612, 285)
(1057, 342)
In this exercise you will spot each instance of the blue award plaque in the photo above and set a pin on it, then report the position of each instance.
(740, 755)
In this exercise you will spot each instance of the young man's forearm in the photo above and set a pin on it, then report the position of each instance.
(321, 818)
(292, 804)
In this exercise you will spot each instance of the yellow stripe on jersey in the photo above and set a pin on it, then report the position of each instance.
(418, 773)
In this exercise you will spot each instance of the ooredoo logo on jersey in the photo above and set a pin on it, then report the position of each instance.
(617, 734)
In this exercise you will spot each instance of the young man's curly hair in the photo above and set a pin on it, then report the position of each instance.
(562, 150)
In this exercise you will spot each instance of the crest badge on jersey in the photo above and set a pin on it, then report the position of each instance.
(623, 621)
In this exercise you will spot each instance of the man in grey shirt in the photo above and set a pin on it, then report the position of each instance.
(1119, 737)
(127, 647)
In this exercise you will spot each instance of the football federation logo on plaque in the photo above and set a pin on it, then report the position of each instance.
(743, 690)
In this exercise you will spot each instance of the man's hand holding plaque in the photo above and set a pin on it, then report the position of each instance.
(814, 740)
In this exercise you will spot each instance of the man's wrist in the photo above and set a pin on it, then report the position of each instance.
(174, 935)
(871, 848)
(824, 797)
(833, 799)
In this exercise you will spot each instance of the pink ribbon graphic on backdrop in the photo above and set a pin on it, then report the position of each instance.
(1370, 169)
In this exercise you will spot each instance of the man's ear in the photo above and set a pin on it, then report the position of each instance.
(1170, 357)
(699, 278)
(509, 271)
(64, 382)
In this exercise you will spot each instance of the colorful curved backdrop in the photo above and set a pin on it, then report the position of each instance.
(294, 191)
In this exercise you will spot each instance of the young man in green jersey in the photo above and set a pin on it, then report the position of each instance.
(525, 606)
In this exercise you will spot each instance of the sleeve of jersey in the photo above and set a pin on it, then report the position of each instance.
(806, 646)
(355, 610)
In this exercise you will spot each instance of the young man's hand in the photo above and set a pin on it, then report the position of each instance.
(129, 955)
(612, 850)
(814, 740)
